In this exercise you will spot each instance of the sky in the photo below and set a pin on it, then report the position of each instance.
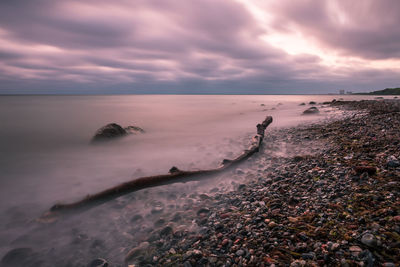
(199, 46)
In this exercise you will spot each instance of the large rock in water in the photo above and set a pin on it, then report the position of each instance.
(312, 110)
(113, 130)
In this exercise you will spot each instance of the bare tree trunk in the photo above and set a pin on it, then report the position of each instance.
(175, 175)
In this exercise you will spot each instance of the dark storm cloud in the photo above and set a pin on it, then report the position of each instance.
(179, 46)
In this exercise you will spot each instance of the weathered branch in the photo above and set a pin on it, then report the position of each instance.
(175, 175)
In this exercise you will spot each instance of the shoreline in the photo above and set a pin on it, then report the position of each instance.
(303, 200)
(336, 203)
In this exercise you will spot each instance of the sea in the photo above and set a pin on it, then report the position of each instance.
(46, 158)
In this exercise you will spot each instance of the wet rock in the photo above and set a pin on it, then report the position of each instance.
(355, 250)
(108, 132)
(369, 240)
(135, 252)
(98, 263)
(136, 217)
(240, 252)
(134, 130)
(159, 222)
(393, 163)
(367, 257)
(368, 169)
(166, 231)
(112, 131)
(203, 211)
(312, 110)
(20, 257)
(308, 256)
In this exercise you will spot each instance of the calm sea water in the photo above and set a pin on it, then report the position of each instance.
(45, 156)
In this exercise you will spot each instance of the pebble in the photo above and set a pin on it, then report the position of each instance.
(369, 240)
(98, 263)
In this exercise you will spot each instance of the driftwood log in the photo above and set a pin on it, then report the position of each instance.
(175, 175)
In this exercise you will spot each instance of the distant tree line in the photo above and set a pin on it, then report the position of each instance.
(387, 91)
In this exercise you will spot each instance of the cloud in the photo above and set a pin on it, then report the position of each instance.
(368, 29)
(179, 46)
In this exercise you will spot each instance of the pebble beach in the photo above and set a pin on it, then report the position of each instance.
(332, 200)
(321, 194)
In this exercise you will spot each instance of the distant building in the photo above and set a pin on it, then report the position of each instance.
(341, 92)
(349, 92)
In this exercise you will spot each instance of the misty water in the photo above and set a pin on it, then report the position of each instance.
(45, 158)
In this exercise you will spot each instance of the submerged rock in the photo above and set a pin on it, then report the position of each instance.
(98, 263)
(312, 110)
(133, 130)
(113, 130)
(20, 257)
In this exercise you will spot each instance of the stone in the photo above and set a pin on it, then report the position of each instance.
(99, 262)
(112, 131)
(368, 169)
(355, 250)
(134, 130)
(136, 218)
(369, 240)
(108, 132)
(312, 110)
(20, 257)
(134, 252)
(166, 231)
(203, 211)
(308, 256)
(240, 252)
(393, 163)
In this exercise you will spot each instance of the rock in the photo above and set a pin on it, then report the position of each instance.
(367, 258)
(355, 250)
(113, 131)
(108, 132)
(302, 104)
(298, 263)
(20, 257)
(225, 242)
(312, 103)
(308, 256)
(369, 240)
(136, 218)
(368, 169)
(187, 264)
(312, 110)
(98, 263)
(393, 163)
(159, 222)
(240, 252)
(133, 130)
(166, 231)
(203, 211)
(133, 253)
